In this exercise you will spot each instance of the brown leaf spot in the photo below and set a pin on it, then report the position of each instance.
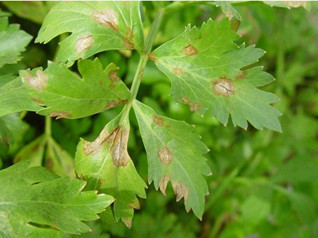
(180, 190)
(223, 86)
(229, 14)
(107, 18)
(128, 222)
(117, 141)
(128, 43)
(178, 71)
(235, 24)
(118, 148)
(60, 115)
(83, 43)
(130, 33)
(151, 57)
(90, 147)
(49, 163)
(165, 155)
(185, 100)
(241, 76)
(113, 76)
(134, 205)
(6, 140)
(115, 103)
(38, 82)
(163, 183)
(190, 50)
(193, 106)
(39, 101)
(295, 3)
(157, 120)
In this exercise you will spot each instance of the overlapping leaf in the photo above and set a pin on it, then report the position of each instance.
(174, 154)
(55, 158)
(95, 26)
(209, 71)
(14, 98)
(36, 203)
(63, 94)
(34, 11)
(12, 42)
(228, 10)
(106, 165)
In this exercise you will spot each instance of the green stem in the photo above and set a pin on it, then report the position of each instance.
(48, 121)
(142, 63)
(280, 63)
(224, 185)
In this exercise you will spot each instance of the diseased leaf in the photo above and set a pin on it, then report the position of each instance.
(107, 166)
(174, 154)
(12, 42)
(63, 94)
(228, 10)
(14, 98)
(209, 71)
(37, 203)
(288, 4)
(95, 27)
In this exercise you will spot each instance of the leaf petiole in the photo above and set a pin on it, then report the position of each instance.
(142, 63)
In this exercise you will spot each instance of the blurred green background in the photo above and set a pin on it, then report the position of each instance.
(264, 184)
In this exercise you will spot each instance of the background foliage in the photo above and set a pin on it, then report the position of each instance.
(264, 183)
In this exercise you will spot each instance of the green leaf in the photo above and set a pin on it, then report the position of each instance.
(12, 42)
(36, 203)
(34, 151)
(95, 27)
(4, 14)
(34, 11)
(174, 154)
(255, 209)
(55, 158)
(12, 133)
(107, 166)
(14, 98)
(209, 71)
(6, 137)
(58, 160)
(63, 94)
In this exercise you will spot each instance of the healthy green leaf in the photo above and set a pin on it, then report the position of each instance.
(107, 166)
(12, 42)
(63, 94)
(14, 98)
(31, 10)
(174, 154)
(4, 14)
(36, 203)
(209, 71)
(95, 26)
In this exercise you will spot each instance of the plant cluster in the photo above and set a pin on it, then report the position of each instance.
(105, 68)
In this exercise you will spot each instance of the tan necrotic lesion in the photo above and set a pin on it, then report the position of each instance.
(223, 86)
